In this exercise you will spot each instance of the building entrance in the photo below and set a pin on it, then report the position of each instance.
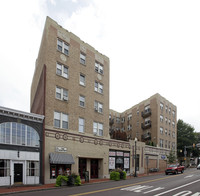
(82, 167)
(18, 173)
(94, 168)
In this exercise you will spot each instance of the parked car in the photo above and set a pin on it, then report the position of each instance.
(174, 169)
(198, 166)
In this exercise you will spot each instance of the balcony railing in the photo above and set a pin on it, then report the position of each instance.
(146, 125)
(146, 113)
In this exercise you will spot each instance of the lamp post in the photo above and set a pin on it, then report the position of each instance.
(135, 159)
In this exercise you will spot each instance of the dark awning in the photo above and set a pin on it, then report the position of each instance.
(60, 158)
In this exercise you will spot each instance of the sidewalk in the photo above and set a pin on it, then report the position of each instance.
(23, 188)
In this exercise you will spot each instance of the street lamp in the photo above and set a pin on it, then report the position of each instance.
(135, 159)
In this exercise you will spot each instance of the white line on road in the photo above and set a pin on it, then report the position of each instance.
(189, 176)
(177, 188)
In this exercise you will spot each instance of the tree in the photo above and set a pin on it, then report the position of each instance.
(186, 137)
(171, 157)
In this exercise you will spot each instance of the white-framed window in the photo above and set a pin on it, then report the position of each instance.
(81, 123)
(161, 106)
(161, 118)
(166, 109)
(147, 108)
(81, 101)
(63, 47)
(166, 132)
(173, 134)
(129, 127)
(32, 168)
(166, 120)
(129, 117)
(98, 107)
(61, 70)
(82, 79)
(60, 120)
(169, 110)
(61, 93)
(98, 128)
(98, 87)
(173, 124)
(161, 130)
(98, 68)
(161, 142)
(82, 58)
(4, 167)
(173, 113)
(169, 121)
(147, 121)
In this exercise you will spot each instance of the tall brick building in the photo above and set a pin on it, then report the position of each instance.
(70, 87)
(152, 121)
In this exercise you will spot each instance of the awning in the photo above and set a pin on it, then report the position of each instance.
(60, 158)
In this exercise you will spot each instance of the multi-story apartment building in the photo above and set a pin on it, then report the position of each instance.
(152, 121)
(70, 87)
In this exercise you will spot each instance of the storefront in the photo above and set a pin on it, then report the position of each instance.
(119, 159)
(20, 148)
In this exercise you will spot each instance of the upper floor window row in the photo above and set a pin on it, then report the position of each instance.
(18, 134)
(62, 47)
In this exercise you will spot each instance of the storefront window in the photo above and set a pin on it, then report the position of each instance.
(4, 168)
(32, 168)
(58, 169)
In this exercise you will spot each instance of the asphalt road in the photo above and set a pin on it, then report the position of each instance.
(184, 184)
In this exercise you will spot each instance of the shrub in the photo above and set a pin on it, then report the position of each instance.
(59, 180)
(78, 181)
(114, 175)
(124, 175)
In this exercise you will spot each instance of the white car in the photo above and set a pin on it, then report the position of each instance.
(198, 166)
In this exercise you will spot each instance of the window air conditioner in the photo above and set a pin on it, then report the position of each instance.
(65, 98)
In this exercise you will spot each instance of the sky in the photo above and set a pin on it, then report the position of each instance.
(153, 47)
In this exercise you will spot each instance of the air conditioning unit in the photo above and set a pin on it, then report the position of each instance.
(65, 98)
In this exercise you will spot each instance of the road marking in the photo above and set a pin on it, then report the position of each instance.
(123, 186)
(137, 188)
(177, 188)
(189, 176)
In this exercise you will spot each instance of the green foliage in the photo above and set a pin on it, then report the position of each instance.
(78, 181)
(186, 137)
(61, 178)
(114, 175)
(118, 174)
(171, 157)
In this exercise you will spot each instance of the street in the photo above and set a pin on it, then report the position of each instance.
(184, 184)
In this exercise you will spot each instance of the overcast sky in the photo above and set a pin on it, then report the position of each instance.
(153, 46)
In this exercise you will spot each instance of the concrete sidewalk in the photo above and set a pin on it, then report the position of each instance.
(24, 188)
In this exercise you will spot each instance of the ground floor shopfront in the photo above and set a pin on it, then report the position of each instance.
(67, 153)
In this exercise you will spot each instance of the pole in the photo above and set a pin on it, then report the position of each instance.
(135, 161)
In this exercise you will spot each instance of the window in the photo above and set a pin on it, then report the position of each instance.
(59, 169)
(61, 93)
(82, 80)
(118, 120)
(173, 134)
(173, 124)
(166, 132)
(165, 143)
(169, 143)
(98, 87)
(169, 133)
(161, 118)
(166, 120)
(32, 168)
(129, 117)
(98, 107)
(18, 134)
(60, 120)
(62, 70)
(169, 110)
(98, 128)
(82, 101)
(62, 47)
(4, 168)
(138, 112)
(147, 121)
(166, 109)
(161, 106)
(169, 122)
(81, 125)
(173, 113)
(161, 143)
(82, 58)
(98, 68)
(161, 130)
